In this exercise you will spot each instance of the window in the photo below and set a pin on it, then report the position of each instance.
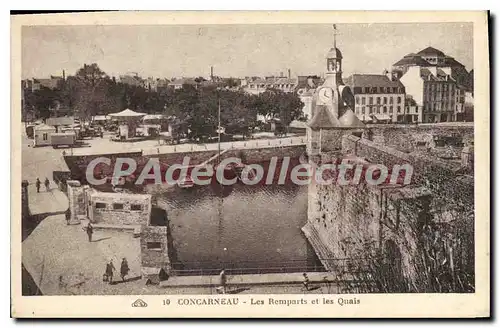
(371, 109)
(45, 136)
(399, 109)
(363, 110)
(100, 205)
(357, 100)
(154, 245)
(367, 90)
(136, 207)
(391, 100)
(385, 100)
(381, 89)
(391, 109)
(363, 100)
(416, 109)
(385, 110)
(117, 206)
(394, 90)
(378, 100)
(399, 100)
(378, 110)
(370, 100)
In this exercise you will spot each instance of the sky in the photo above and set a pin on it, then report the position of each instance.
(167, 51)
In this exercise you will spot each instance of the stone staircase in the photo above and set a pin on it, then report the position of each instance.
(344, 270)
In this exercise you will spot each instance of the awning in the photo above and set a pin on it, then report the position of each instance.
(382, 117)
(100, 118)
(154, 117)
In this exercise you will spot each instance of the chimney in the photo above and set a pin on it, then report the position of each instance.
(212, 73)
(388, 74)
(289, 74)
(64, 75)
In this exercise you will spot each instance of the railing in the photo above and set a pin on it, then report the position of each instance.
(345, 266)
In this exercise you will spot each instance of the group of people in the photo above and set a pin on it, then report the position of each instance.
(110, 270)
(46, 183)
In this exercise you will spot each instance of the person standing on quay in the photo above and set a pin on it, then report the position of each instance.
(90, 231)
(223, 281)
(47, 184)
(110, 269)
(38, 183)
(124, 269)
(306, 281)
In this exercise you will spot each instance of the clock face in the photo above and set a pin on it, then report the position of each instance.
(325, 95)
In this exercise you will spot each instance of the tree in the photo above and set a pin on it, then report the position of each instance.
(274, 103)
(42, 100)
(90, 90)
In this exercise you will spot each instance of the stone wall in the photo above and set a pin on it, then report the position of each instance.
(154, 250)
(25, 209)
(407, 137)
(77, 201)
(120, 209)
(349, 220)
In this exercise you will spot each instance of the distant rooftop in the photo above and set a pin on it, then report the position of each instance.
(371, 80)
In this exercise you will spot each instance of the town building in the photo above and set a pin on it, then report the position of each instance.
(42, 133)
(378, 98)
(436, 83)
(53, 83)
(306, 86)
(178, 83)
(156, 84)
(133, 80)
(259, 85)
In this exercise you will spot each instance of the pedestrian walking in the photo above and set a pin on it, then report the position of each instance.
(47, 184)
(38, 183)
(67, 214)
(223, 281)
(306, 281)
(90, 231)
(110, 269)
(124, 269)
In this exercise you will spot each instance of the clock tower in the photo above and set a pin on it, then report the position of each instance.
(332, 105)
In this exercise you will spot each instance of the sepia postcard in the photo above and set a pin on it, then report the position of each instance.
(250, 164)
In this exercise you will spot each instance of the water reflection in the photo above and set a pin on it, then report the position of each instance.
(252, 227)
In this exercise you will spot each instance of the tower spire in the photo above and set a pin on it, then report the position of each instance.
(334, 36)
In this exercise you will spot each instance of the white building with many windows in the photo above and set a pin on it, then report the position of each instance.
(378, 99)
(436, 83)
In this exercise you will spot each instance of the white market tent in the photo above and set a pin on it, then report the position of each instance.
(127, 113)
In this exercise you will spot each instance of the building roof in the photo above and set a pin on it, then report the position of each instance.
(52, 83)
(303, 82)
(371, 80)
(440, 75)
(430, 51)
(323, 119)
(411, 60)
(182, 81)
(349, 119)
(334, 53)
(40, 127)
(274, 80)
(450, 61)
